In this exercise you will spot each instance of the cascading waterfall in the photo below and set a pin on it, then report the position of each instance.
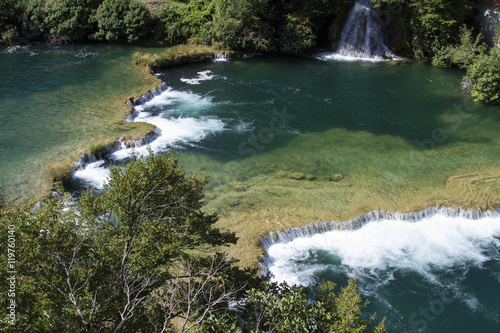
(362, 36)
(361, 220)
(87, 165)
(220, 57)
(430, 271)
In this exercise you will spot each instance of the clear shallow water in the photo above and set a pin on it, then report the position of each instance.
(440, 274)
(53, 100)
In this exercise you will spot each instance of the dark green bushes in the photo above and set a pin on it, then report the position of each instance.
(482, 80)
(484, 77)
(181, 21)
(121, 20)
(10, 13)
(254, 26)
(433, 23)
(178, 55)
(73, 20)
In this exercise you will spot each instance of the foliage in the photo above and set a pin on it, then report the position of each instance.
(10, 13)
(98, 264)
(184, 21)
(462, 55)
(434, 23)
(33, 20)
(71, 18)
(484, 77)
(178, 55)
(278, 307)
(244, 24)
(121, 20)
(296, 35)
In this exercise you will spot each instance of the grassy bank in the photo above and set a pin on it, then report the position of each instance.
(180, 55)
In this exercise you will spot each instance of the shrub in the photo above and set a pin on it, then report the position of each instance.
(484, 76)
(121, 20)
(34, 23)
(296, 35)
(462, 55)
(182, 21)
(71, 18)
(10, 14)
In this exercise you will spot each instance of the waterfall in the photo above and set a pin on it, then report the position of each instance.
(124, 144)
(359, 221)
(362, 36)
(220, 57)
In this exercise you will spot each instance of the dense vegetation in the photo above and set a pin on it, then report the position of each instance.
(140, 257)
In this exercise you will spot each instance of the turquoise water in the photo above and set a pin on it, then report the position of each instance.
(298, 133)
(387, 129)
(53, 100)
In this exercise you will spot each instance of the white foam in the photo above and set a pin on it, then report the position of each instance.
(202, 76)
(172, 132)
(95, 174)
(176, 115)
(180, 100)
(436, 242)
(333, 56)
(220, 57)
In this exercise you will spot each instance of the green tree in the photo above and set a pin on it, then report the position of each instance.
(464, 54)
(434, 23)
(71, 18)
(278, 307)
(183, 21)
(121, 21)
(296, 35)
(244, 25)
(484, 77)
(100, 263)
(34, 25)
(10, 21)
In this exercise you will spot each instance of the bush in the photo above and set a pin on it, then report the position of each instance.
(182, 21)
(121, 20)
(462, 55)
(10, 14)
(296, 35)
(71, 18)
(484, 76)
(178, 55)
(34, 23)
(244, 25)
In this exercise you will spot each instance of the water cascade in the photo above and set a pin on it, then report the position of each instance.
(220, 57)
(362, 37)
(444, 261)
(359, 221)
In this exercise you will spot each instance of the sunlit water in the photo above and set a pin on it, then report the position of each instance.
(305, 133)
(54, 99)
